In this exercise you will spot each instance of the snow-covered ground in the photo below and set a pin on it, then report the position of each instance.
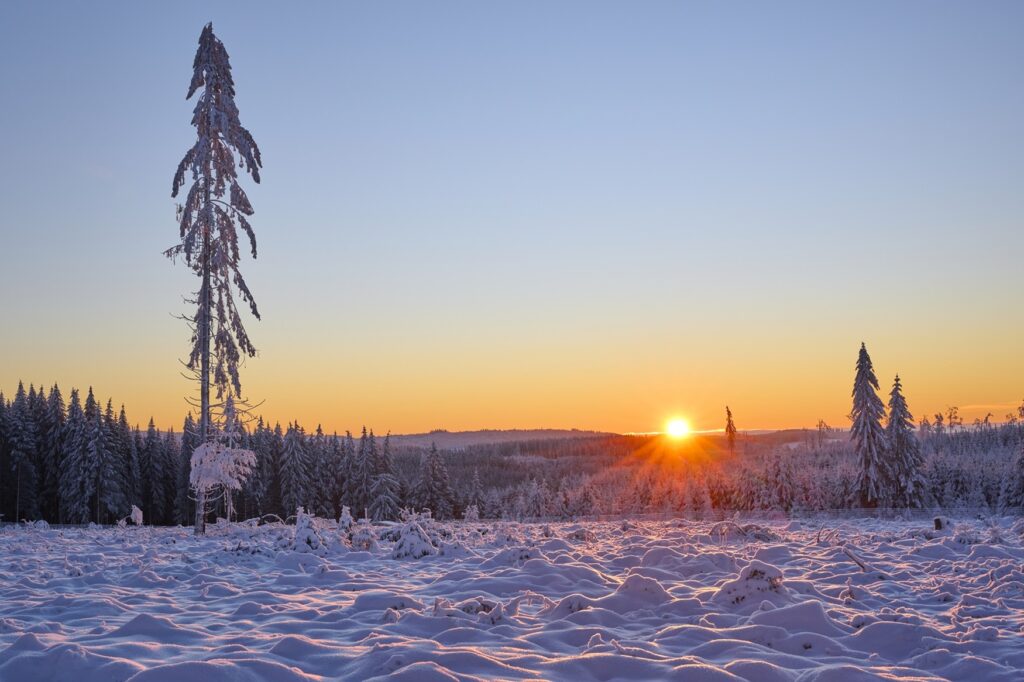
(836, 601)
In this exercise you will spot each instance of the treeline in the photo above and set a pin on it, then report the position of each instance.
(77, 462)
(82, 462)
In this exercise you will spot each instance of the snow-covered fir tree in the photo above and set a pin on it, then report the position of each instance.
(905, 459)
(875, 482)
(434, 491)
(294, 472)
(153, 475)
(384, 502)
(22, 447)
(111, 501)
(75, 478)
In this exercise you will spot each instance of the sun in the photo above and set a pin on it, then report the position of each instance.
(677, 428)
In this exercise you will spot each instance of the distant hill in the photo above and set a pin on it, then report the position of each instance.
(458, 440)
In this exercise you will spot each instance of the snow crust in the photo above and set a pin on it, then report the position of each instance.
(464, 601)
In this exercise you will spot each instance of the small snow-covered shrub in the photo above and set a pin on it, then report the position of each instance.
(364, 538)
(413, 540)
(345, 520)
(582, 535)
(472, 514)
(136, 515)
(966, 535)
(755, 579)
(307, 539)
(728, 531)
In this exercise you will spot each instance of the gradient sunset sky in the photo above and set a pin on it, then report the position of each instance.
(532, 214)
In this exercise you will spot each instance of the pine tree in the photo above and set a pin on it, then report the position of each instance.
(53, 453)
(336, 475)
(294, 470)
(5, 464)
(906, 460)
(434, 490)
(75, 481)
(111, 501)
(730, 430)
(476, 491)
(214, 208)
(46, 504)
(171, 451)
(22, 447)
(347, 474)
(361, 475)
(92, 449)
(154, 475)
(320, 499)
(384, 502)
(875, 478)
(184, 511)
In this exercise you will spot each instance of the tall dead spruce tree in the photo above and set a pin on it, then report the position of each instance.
(209, 217)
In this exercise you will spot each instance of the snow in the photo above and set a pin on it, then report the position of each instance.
(789, 602)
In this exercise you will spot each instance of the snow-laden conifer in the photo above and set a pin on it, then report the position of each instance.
(905, 458)
(384, 502)
(875, 478)
(214, 209)
(294, 469)
(22, 445)
(730, 430)
(75, 481)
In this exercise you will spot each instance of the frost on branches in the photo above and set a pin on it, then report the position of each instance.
(874, 480)
(217, 467)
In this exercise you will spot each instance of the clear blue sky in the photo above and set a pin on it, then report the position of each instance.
(532, 214)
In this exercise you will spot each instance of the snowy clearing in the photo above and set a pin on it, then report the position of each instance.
(849, 601)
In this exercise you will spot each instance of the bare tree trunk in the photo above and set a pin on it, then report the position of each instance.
(204, 373)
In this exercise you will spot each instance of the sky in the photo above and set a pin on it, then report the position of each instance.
(530, 214)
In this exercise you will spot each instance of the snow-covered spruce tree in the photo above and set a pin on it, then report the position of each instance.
(345, 477)
(153, 475)
(294, 469)
(336, 474)
(4, 463)
(183, 508)
(875, 480)
(213, 210)
(730, 430)
(21, 445)
(111, 502)
(384, 502)
(75, 481)
(320, 499)
(172, 472)
(434, 490)
(360, 476)
(905, 458)
(475, 495)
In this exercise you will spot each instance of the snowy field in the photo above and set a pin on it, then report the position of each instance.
(838, 601)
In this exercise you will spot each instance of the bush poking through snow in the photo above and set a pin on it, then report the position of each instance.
(582, 535)
(413, 541)
(364, 537)
(729, 531)
(472, 514)
(307, 539)
(756, 579)
(345, 521)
